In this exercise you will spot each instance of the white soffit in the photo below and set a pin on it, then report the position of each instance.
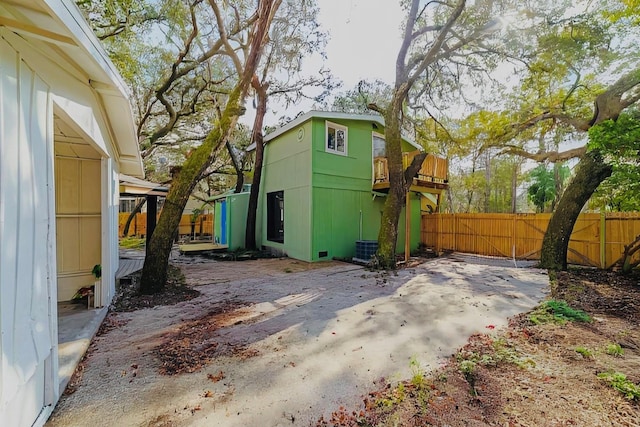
(58, 27)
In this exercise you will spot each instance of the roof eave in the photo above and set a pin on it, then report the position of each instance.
(106, 82)
(328, 115)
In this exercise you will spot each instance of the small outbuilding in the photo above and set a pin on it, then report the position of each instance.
(324, 183)
(66, 133)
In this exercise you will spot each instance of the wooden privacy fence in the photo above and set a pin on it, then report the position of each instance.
(138, 227)
(597, 240)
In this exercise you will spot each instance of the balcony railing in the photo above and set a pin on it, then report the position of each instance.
(432, 174)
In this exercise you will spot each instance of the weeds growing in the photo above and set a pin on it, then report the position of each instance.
(614, 349)
(620, 382)
(584, 351)
(555, 311)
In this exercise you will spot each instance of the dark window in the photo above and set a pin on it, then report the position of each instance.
(275, 216)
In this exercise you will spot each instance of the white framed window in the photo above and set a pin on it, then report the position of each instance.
(336, 138)
(379, 146)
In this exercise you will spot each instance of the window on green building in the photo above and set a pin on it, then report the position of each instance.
(379, 146)
(336, 141)
(275, 216)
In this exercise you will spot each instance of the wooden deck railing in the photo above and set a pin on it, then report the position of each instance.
(434, 169)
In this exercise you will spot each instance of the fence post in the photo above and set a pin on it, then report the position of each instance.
(603, 239)
(513, 236)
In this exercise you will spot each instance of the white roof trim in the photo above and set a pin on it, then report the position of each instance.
(72, 18)
(329, 115)
(73, 36)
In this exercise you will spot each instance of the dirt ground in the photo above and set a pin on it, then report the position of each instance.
(531, 373)
(255, 337)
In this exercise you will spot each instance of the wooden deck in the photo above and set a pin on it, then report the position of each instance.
(193, 248)
(419, 186)
(431, 178)
(128, 267)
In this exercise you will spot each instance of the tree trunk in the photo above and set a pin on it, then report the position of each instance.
(590, 172)
(399, 184)
(154, 272)
(514, 189)
(237, 166)
(156, 263)
(132, 215)
(627, 257)
(388, 235)
(487, 184)
(258, 138)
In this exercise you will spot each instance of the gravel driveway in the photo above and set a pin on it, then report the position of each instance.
(311, 340)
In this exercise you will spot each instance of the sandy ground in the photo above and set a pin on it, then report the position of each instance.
(309, 338)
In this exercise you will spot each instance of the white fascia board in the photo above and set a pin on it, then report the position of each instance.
(69, 14)
(109, 85)
(322, 115)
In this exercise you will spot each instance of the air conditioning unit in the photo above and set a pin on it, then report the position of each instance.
(365, 250)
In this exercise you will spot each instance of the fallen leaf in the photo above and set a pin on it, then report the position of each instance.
(215, 378)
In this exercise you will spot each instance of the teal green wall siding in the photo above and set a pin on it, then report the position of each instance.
(342, 191)
(217, 218)
(337, 218)
(352, 171)
(287, 167)
(237, 205)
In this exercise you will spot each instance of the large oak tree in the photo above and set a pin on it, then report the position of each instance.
(442, 43)
(154, 273)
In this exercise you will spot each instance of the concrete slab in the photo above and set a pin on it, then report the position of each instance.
(315, 340)
(76, 327)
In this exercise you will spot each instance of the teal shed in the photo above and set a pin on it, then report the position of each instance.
(230, 218)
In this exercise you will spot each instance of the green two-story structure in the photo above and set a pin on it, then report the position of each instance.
(324, 183)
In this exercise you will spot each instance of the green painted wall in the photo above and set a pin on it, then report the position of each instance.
(237, 205)
(327, 196)
(287, 167)
(342, 197)
(337, 217)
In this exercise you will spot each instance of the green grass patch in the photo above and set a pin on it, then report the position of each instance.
(614, 349)
(584, 351)
(555, 311)
(619, 382)
(132, 243)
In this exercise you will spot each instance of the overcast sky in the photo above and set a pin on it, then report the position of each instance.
(364, 38)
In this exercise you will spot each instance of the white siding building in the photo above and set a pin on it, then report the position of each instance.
(66, 132)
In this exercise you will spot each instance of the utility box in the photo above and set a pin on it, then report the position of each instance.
(365, 250)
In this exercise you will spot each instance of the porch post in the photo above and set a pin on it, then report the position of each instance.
(407, 228)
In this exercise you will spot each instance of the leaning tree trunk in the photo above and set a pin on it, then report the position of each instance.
(132, 215)
(388, 235)
(237, 166)
(258, 139)
(154, 271)
(156, 263)
(590, 172)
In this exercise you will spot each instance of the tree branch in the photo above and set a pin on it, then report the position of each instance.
(550, 156)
